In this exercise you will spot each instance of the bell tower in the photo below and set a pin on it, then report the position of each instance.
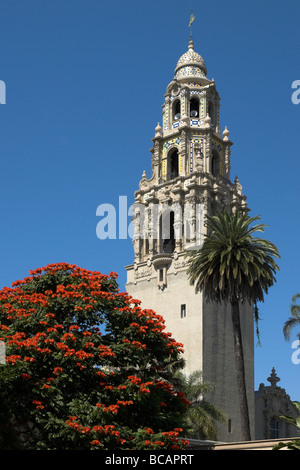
(190, 179)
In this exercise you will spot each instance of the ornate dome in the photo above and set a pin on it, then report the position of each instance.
(190, 64)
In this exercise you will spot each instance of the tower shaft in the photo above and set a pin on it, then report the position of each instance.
(190, 179)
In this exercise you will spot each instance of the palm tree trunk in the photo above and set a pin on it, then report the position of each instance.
(240, 367)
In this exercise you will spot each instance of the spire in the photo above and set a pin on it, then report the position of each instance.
(191, 42)
(191, 64)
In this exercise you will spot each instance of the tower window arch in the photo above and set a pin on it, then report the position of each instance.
(194, 107)
(176, 110)
(215, 163)
(173, 164)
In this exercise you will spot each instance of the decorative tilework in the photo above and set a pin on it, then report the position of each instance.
(202, 107)
(190, 71)
(166, 113)
(195, 84)
(180, 164)
(190, 64)
(182, 106)
(164, 169)
(186, 183)
(190, 56)
(168, 144)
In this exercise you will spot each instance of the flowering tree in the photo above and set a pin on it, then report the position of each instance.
(86, 367)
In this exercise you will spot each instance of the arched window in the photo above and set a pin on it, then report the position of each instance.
(176, 110)
(167, 233)
(173, 164)
(194, 108)
(215, 164)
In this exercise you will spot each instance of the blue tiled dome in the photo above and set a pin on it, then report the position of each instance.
(190, 64)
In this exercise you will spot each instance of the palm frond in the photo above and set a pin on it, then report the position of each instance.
(202, 416)
(294, 320)
(233, 264)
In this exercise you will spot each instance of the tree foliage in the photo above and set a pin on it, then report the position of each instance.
(295, 443)
(294, 319)
(86, 367)
(236, 267)
(202, 416)
(233, 265)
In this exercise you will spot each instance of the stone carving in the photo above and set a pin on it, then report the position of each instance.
(142, 272)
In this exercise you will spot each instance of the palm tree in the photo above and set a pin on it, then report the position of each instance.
(294, 320)
(234, 266)
(201, 417)
(295, 443)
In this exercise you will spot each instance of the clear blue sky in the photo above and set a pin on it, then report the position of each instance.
(85, 81)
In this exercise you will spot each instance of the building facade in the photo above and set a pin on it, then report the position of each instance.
(271, 402)
(190, 179)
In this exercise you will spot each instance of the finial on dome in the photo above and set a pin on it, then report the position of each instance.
(191, 42)
(190, 64)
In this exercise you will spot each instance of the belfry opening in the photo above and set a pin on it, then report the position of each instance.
(194, 107)
(176, 110)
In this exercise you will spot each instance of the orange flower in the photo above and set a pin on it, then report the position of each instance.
(26, 376)
(38, 404)
(29, 359)
(74, 327)
(96, 442)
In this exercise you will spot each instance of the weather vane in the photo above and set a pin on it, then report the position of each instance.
(192, 17)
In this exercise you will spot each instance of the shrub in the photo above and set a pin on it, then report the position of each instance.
(86, 366)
